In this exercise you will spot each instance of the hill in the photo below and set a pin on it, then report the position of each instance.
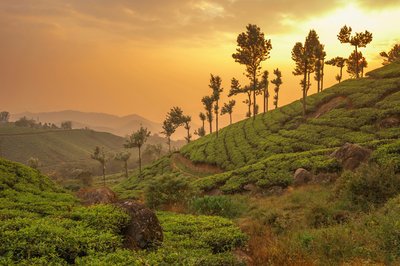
(337, 216)
(63, 150)
(118, 125)
(41, 224)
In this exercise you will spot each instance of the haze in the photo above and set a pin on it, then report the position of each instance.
(123, 57)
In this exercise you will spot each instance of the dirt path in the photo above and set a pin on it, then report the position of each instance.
(331, 104)
(193, 169)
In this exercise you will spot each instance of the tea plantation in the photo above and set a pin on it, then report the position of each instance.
(40, 224)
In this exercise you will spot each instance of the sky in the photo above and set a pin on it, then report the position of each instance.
(130, 56)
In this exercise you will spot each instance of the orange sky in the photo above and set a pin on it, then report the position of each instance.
(123, 57)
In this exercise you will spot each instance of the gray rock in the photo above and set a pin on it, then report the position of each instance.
(301, 177)
(351, 155)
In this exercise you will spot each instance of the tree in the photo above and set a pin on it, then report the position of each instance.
(186, 124)
(237, 89)
(320, 55)
(203, 118)
(208, 106)
(264, 87)
(252, 50)
(304, 57)
(100, 156)
(153, 151)
(354, 61)
(137, 140)
(123, 157)
(25, 122)
(277, 82)
(392, 56)
(339, 62)
(4, 117)
(34, 163)
(228, 109)
(359, 40)
(168, 129)
(215, 85)
(67, 125)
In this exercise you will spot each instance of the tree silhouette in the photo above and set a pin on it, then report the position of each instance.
(320, 55)
(392, 56)
(208, 106)
(203, 118)
(168, 129)
(277, 82)
(123, 157)
(359, 40)
(175, 116)
(137, 140)
(264, 88)
(215, 85)
(228, 109)
(237, 89)
(100, 156)
(354, 61)
(252, 50)
(66, 125)
(186, 124)
(304, 57)
(4, 117)
(339, 62)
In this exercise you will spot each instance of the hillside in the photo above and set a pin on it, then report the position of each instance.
(336, 217)
(118, 125)
(63, 149)
(43, 225)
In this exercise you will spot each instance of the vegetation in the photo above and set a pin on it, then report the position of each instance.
(137, 140)
(100, 156)
(392, 56)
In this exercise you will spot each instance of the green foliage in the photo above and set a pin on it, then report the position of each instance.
(217, 205)
(168, 189)
(369, 186)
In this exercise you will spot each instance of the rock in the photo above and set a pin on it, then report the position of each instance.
(390, 122)
(351, 156)
(93, 196)
(250, 187)
(144, 231)
(301, 177)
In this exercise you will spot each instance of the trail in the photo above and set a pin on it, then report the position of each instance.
(329, 106)
(191, 169)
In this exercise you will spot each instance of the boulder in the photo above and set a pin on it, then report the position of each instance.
(301, 177)
(144, 231)
(91, 196)
(351, 155)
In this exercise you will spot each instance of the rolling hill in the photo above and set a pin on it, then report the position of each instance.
(63, 149)
(117, 125)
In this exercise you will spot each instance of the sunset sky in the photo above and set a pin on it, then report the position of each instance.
(130, 56)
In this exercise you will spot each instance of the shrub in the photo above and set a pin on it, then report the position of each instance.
(370, 186)
(168, 189)
(224, 206)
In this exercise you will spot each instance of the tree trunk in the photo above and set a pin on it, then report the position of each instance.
(210, 126)
(126, 169)
(357, 75)
(249, 103)
(216, 120)
(322, 75)
(305, 88)
(230, 118)
(169, 144)
(104, 174)
(341, 74)
(140, 162)
(188, 135)
(254, 95)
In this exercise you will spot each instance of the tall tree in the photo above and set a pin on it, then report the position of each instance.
(359, 40)
(339, 62)
(175, 115)
(186, 124)
(277, 82)
(237, 89)
(123, 157)
(100, 156)
(354, 61)
(264, 87)
(137, 140)
(304, 58)
(215, 85)
(4, 117)
(203, 118)
(252, 50)
(208, 106)
(168, 129)
(228, 109)
(392, 56)
(320, 55)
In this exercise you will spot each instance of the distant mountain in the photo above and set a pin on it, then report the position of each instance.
(97, 121)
